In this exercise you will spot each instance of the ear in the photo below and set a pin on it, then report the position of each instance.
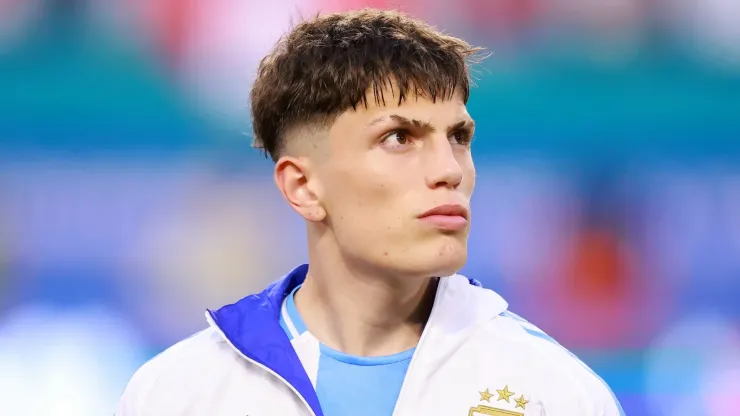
(293, 179)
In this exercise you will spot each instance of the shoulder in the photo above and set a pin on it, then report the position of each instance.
(555, 371)
(177, 371)
(566, 372)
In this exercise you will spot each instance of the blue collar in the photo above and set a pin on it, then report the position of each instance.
(252, 325)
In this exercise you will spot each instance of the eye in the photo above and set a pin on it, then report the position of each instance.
(461, 137)
(396, 138)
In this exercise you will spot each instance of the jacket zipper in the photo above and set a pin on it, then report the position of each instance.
(404, 385)
(293, 389)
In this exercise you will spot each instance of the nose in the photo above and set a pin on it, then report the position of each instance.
(443, 168)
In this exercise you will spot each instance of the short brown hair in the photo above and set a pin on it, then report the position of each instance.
(326, 65)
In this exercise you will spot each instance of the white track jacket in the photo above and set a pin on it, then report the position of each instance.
(474, 358)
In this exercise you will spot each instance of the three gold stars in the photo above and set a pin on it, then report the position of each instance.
(504, 394)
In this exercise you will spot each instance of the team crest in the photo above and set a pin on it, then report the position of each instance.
(491, 411)
(506, 401)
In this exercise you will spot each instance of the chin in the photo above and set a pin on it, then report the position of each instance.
(444, 258)
(447, 266)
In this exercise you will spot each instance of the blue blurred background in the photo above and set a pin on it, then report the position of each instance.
(607, 208)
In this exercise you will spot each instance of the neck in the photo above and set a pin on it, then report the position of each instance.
(361, 312)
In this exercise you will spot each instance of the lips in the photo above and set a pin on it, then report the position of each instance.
(449, 217)
(452, 210)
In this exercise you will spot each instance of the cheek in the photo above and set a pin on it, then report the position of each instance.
(359, 198)
(371, 219)
(468, 183)
(369, 200)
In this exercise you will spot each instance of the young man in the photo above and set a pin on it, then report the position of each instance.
(364, 114)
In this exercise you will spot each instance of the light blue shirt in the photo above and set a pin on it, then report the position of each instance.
(348, 384)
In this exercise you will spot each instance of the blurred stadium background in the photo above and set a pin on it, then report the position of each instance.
(607, 208)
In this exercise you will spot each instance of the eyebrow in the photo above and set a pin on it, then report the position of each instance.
(467, 124)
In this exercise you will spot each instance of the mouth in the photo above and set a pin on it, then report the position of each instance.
(449, 217)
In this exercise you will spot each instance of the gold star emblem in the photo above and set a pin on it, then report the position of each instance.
(504, 394)
(520, 402)
(485, 395)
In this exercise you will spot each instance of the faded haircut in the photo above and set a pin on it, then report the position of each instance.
(327, 65)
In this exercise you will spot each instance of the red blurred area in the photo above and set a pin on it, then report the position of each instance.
(500, 15)
(599, 292)
(171, 23)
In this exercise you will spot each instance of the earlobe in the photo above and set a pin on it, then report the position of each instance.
(293, 179)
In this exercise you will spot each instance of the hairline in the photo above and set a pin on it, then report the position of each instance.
(313, 124)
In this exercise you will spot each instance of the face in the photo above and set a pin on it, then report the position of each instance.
(393, 185)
